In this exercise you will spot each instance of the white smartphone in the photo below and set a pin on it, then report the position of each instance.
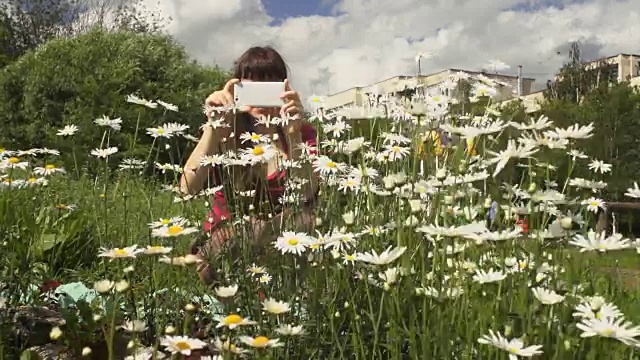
(258, 94)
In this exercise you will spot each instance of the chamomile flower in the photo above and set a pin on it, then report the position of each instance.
(292, 242)
(233, 321)
(127, 252)
(290, 330)
(546, 296)
(67, 130)
(104, 153)
(183, 345)
(386, 257)
(173, 231)
(226, 291)
(258, 153)
(48, 169)
(157, 249)
(514, 347)
(260, 341)
(275, 307)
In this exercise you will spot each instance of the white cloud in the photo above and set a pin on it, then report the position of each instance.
(370, 40)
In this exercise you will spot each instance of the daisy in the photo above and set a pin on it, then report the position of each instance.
(182, 344)
(289, 330)
(256, 270)
(547, 297)
(515, 347)
(48, 169)
(68, 130)
(253, 137)
(226, 291)
(325, 166)
(599, 166)
(259, 153)
(186, 260)
(104, 153)
(275, 307)
(140, 101)
(115, 124)
(619, 329)
(173, 231)
(600, 242)
(484, 277)
(157, 249)
(386, 257)
(167, 106)
(127, 252)
(594, 204)
(633, 192)
(233, 321)
(292, 242)
(260, 341)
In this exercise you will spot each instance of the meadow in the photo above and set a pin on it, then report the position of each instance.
(440, 233)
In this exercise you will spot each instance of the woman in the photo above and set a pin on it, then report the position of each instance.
(256, 64)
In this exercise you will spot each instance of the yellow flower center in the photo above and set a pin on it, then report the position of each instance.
(293, 242)
(261, 341)
(7, 180)
(436, 98)
(175, 230)
(331, 164)
(164, 221)
(49, 167)
(258, 150)
(120, 252)
(32, 180)
(350, 258)
(608, 332)
(255, 137)
(157, 248)
(182, 345)
(593, 203)
(160, 131)
(396, 149)
(233, 319)
(513, 350)
(13, 160)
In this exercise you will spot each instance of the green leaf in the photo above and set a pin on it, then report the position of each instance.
(29, 355)
(48, 241)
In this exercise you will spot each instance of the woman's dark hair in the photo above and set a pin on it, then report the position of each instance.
(261, 63)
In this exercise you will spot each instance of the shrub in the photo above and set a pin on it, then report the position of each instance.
(75, 81)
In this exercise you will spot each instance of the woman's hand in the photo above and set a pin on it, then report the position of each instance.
(292, 107)
(223, 97)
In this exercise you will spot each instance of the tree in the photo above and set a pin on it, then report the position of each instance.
(75, 81)
(576, 80)
(27, 24)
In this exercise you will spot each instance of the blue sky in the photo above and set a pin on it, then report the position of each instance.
(281, 9)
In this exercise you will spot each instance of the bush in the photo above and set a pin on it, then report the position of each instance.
(75, 81)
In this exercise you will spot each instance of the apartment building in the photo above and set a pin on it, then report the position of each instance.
(617, 68)
(621, 67)
(357, 96)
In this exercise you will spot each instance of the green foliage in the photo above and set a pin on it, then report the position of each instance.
(575, 80)
(75, 81)
(615, 113)
(27, 24)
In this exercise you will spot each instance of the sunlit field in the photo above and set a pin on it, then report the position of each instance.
(444, 229)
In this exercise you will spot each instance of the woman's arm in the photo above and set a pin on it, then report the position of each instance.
(194, 176)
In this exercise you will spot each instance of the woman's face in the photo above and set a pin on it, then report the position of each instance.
(258, 112)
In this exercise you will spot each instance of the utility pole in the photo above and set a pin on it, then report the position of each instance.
(519, 81)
